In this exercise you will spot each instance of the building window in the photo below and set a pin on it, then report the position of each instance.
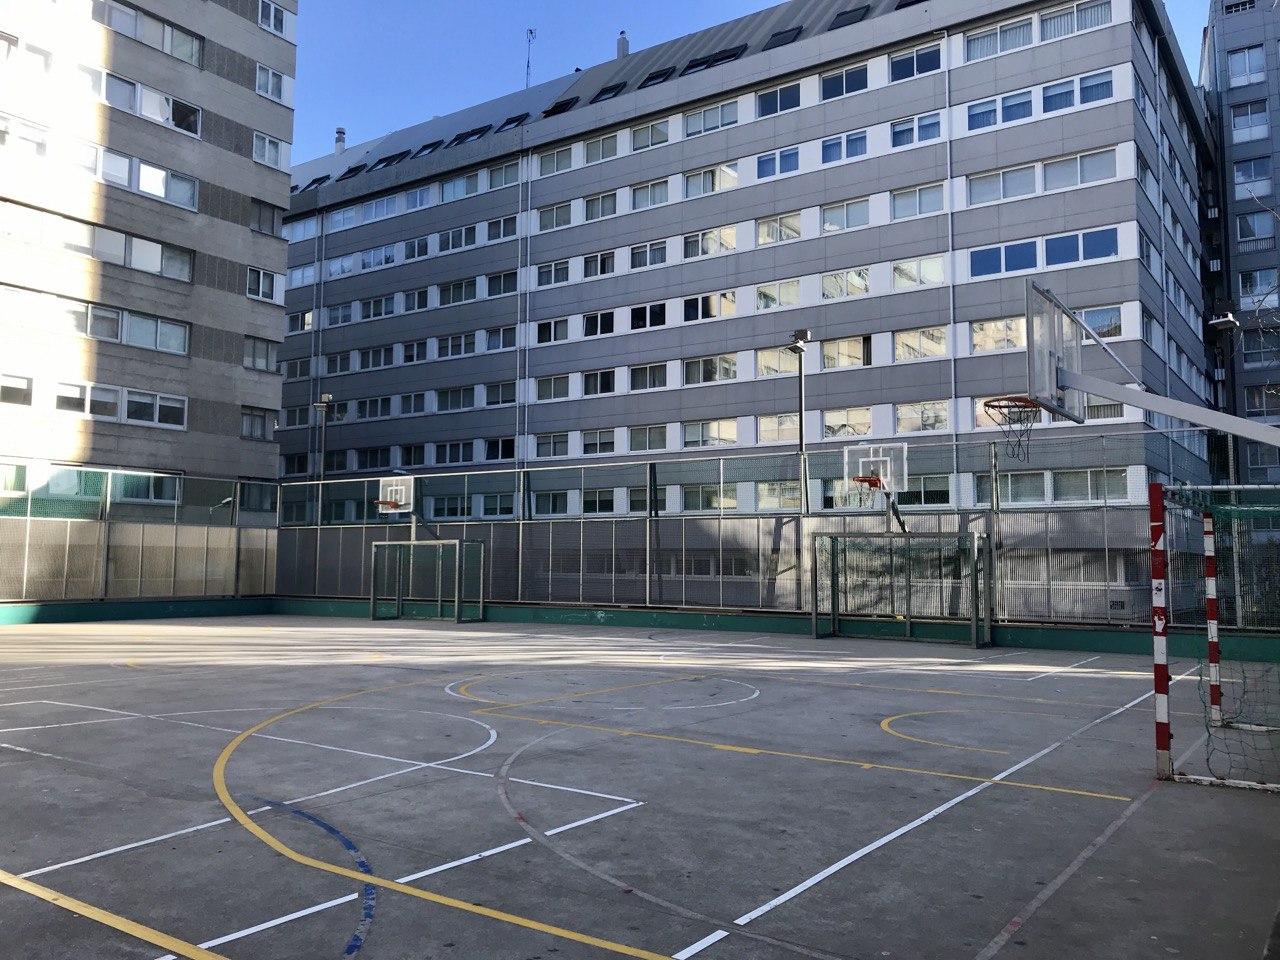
(500, 448)
(551, 503)
(849, 422)
(783, 293)
(157, 409)
(919, 272)
(642, 439)
(1252, 178)
(597, 501)
(551, 218)
(270, 83)
(846, 216)
(846, 81)
(1059, 96)
(710, 369)
(711, 118)
(846, 352)
(1250, 121)
(926, 491)
(552, 445)
(15, 390)
(708, 243)
(270, 151)
(778, 229)
(648, 195)
(455, 398)
(552, 331)
(918, 201)
(604, 205)
(846, 283)
(710, 433)
(903, 133)
(596, 442)
(498, 284)
(1010, 258)
(500, 394)
(777, 101)
(714, 180)
(458, 187)
(502, 229)
(503, 175)
(259, 354)
(1103, 321)
(271, 17)
(458, 451)
(500, 338)
(847, 147)
(555, 161)
(1005, 334)
(265, 218)
(929, 415)
(262, 285)
(638, 499)
(988, 43)
(649, 135)
(780, 162)
(553, 388)
(648, 255)
(457, 238)
(458, 345)
(653, 315)
(1079, 16)
(711, 305)
(709, 496)
(904, 66)
(650, 377)
(778, 428)
(1095, 87)
(256, 424)
(777, 362)
(924, 343)
(550, 274)
(1015, 106)
(597, 382)
(1005, 185)
(598, 264)
(603, 148)
(597, 324)
(983, 114)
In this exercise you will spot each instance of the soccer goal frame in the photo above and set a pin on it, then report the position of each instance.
(909, 579)
(425, 572)
(1235, 728)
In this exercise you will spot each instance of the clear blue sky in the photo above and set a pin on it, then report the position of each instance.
(374, 66)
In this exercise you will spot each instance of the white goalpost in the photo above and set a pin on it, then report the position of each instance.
(1245, 704)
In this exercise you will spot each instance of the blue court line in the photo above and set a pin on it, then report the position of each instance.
(369, 895)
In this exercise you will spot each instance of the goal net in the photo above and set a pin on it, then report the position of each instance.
(1239, 596)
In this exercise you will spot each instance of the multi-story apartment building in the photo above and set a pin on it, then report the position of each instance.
(609, 266)
(144, 157)
(1240, 71)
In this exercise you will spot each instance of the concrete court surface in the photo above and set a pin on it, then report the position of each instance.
(555, 793)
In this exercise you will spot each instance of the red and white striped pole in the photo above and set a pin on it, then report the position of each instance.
(1160, 631)
(1211, 616)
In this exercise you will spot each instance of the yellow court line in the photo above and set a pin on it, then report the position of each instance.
(583, 693)
(464, 690)
(236, 811)
(175, 946)
(887, 726)
(816, 758)
(938, 691)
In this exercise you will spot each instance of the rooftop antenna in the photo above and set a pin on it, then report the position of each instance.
(530, 36)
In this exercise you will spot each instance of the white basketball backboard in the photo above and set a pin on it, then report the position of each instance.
(886, 461)
(1055, 338)
(395, 494)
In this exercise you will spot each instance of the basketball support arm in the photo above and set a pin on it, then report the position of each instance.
(1200, 416)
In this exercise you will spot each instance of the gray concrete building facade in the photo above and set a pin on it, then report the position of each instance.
(1240, 71)
(606, 267)
(144, 157)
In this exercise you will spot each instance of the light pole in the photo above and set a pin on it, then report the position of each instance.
(218, 506)
(322, 407)
(799, 340)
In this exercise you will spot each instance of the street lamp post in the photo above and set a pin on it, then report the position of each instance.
(799, 340)
(322, 407)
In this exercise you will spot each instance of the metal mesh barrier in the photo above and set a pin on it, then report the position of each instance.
(84, 534)
(443, 578)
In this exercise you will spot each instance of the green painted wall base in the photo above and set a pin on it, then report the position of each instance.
(1136, 640)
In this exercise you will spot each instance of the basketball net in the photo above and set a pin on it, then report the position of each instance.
(1015, 416)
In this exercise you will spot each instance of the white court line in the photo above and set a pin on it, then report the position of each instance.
(55, 726)
(932, 814)
(442, 868)
(536, 783)
(700, 945)
(1050, 673)
(755, 692)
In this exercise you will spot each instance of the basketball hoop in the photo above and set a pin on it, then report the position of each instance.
(1015, 416)
(872, 481)
(389, 506)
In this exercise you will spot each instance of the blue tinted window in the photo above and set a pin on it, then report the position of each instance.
(927, 60)
(789, 97)
(789, 161)
(766, 166)
(982, 115)
(1101, 243)
(902, 67)
(1020, 256)
(984, 263)
(1016, 106)
(1062, 249)
(930, 127)
(833, 86)
(904, 132)
(855, 144)
(831, 151)
(767, 103)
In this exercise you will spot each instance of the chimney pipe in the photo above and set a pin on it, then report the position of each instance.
(624, 45)
(340, 141)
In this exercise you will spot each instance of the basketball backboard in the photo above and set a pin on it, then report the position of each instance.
(395, 495)
(885, 461)
(1055, 338)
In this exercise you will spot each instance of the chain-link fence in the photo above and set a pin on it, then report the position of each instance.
(70, 533)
